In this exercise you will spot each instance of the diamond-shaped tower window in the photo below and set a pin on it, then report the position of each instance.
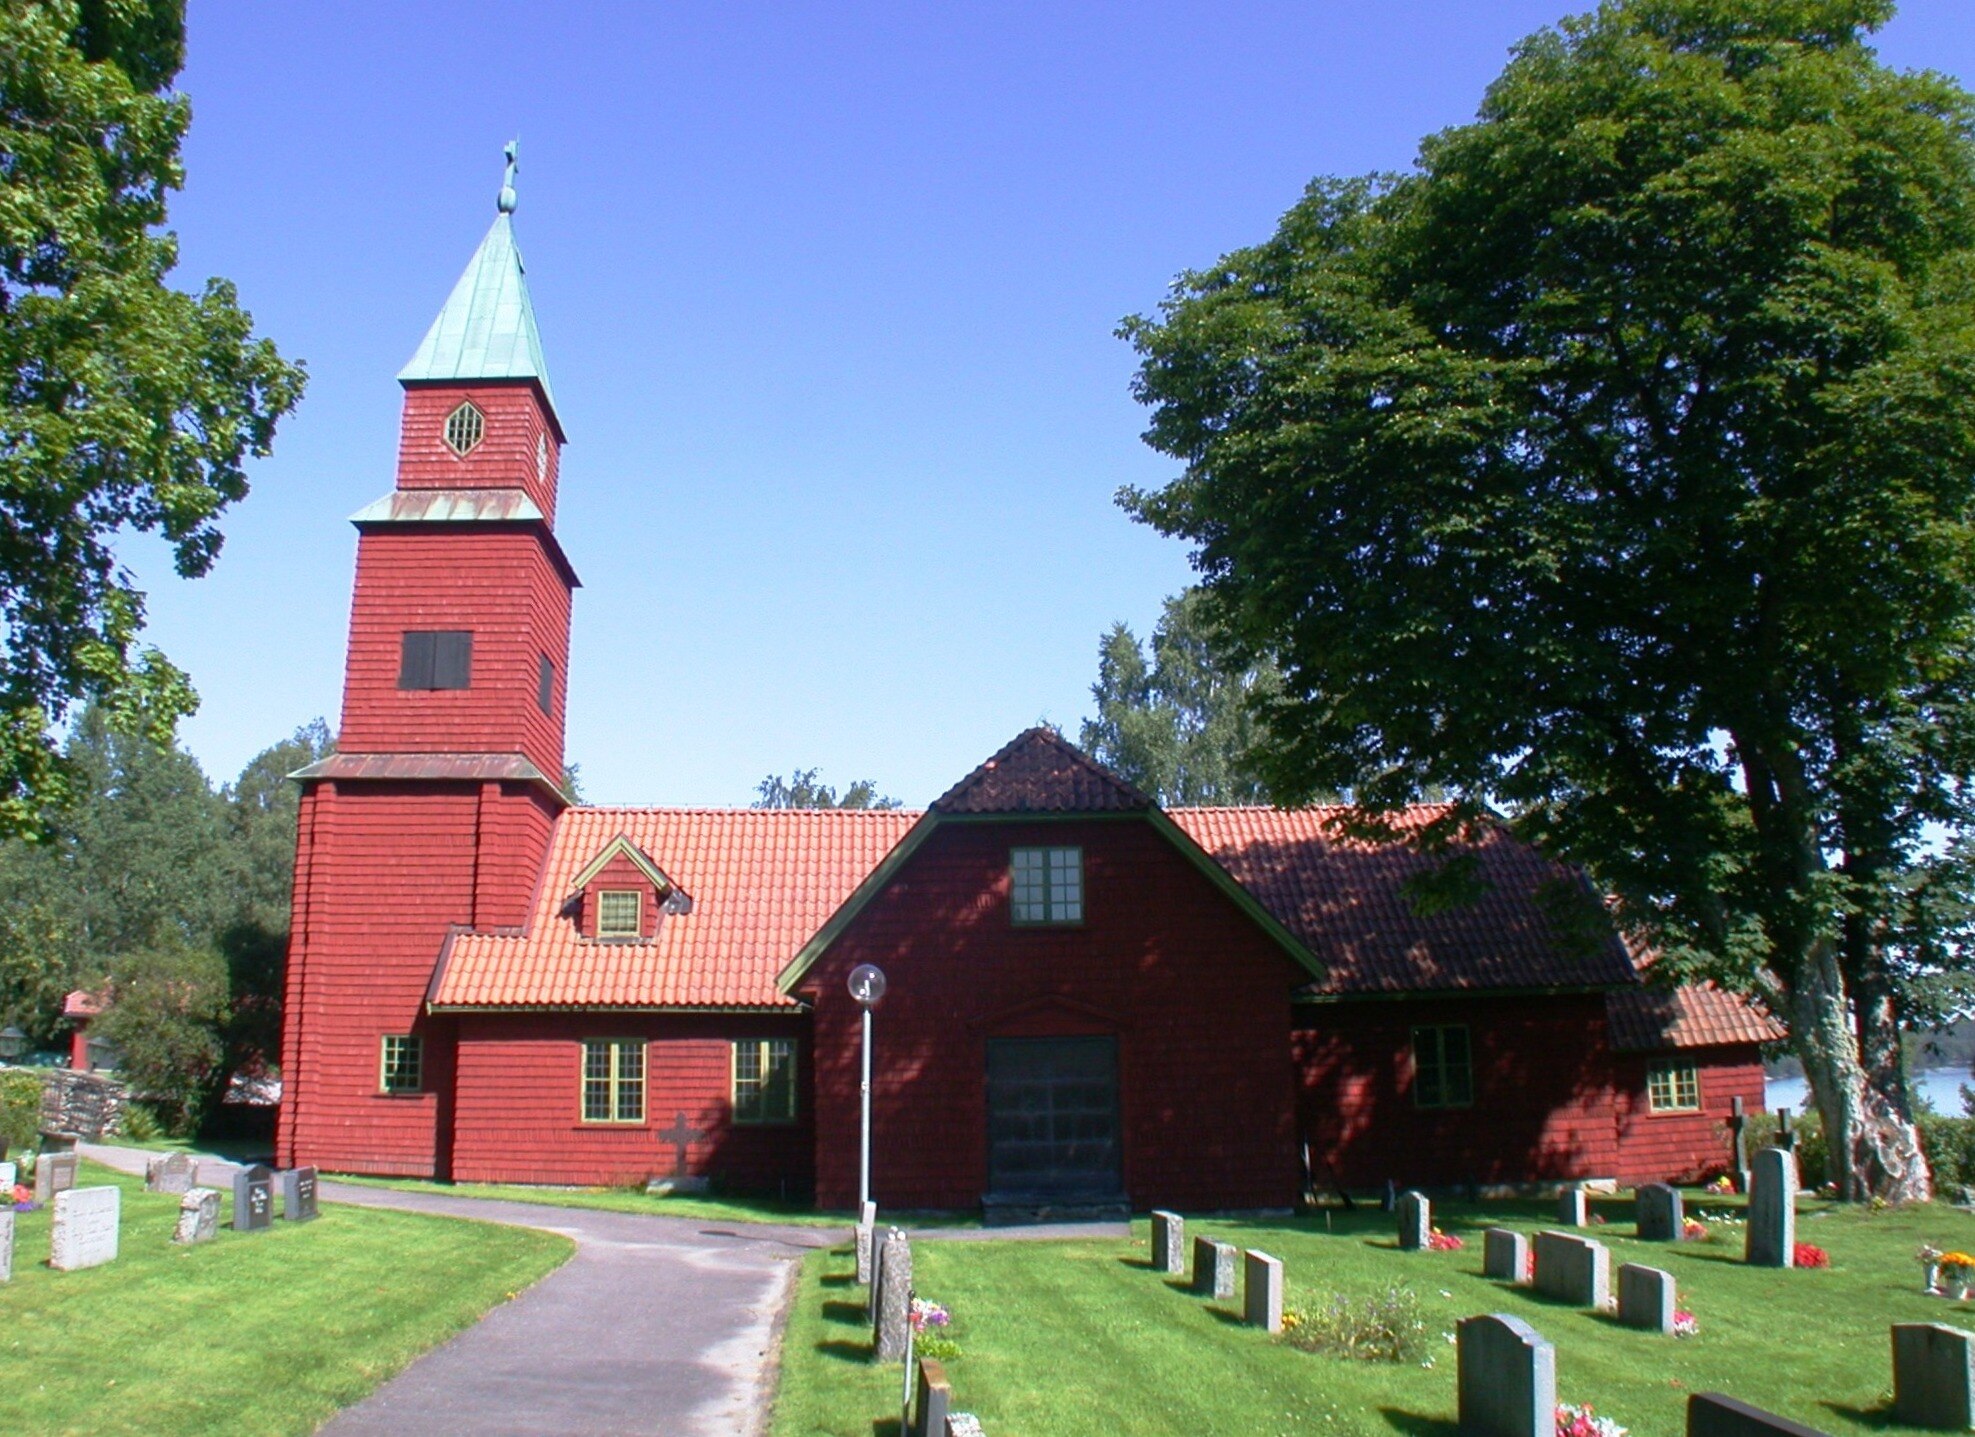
(465, 427)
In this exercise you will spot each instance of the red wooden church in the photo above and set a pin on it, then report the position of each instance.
(1092, 1001)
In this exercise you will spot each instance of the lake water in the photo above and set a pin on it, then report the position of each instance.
(1941, 1086)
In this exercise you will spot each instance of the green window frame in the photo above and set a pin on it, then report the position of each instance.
(1443, 1066)
(401, 1064)
(614, 1080)
(620, 913)
(1046, 885)
(764, 1080)
(1673, 1088)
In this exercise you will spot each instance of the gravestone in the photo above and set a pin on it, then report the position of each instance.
(867, 1223)
(1645, 1298)
(1574, 1207)
(680, 1137)
(1389, 1200)
(1709, 1414)
(1504, 1254)
(1415, 1221)
(1771, 1239)
(1738, 1133)
(1213, 1268)
(1661, 1212)
(892, 1324)
(1168, 1242)
(10, 1176)
(253, 1198)
(6, 1244)
(172, 1173)
(84, 1233)
(1573, 1269)
(1934, 1376)
(198, 1216)
(1786, 1139)
(298, 1188)
(1507, 1379)
(1261, 1290)
(53, 1173)
(935, 1397)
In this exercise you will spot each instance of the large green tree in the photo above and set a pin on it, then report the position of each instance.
(1616, 466)
(125, 404)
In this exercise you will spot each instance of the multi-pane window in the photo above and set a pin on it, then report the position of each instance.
(764, 1080)
(1047, 885)
(1443, 1072)
(401, 1067)
(542, 458)
(620, 913)
(545, 685)
(1673, 1088)
(614, 1080)
(465, 427)
(436, 659)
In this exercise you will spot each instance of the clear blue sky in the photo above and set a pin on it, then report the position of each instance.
(828, 293)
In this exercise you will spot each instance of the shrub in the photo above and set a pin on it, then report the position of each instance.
(20, 1106)
(1386, 1327)
(138, 1124)
(1950, 1147)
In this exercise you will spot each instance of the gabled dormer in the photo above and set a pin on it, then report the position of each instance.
(621, 895)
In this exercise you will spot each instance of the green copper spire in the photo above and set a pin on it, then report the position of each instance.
(487, 328)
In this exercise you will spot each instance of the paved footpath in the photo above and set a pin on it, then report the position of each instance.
(657, 1324)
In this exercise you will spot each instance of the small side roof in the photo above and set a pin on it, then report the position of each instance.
(1652, 1019)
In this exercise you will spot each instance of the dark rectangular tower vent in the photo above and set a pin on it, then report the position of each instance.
(436, 659)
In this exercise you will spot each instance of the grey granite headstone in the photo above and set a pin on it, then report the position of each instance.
(1574, 1207)
(1261, 1290)
(10, 1175)
(1573, 1269)
(1507, 1380)
(1645, 1297)
(6, 1244)
(893, 1321)
(1771, 1239)
(1213, 1268)
(1415, 1220)
(935, 1396)
(298, 1190)
(1934, 1376)
(1662, 1212)
(1709, 1414)
(84, 1233)
(1168, 1242)
(53, 1173)
(253, 1198)
(863, 1241)
(198, 1216)
(1504, 1255)
(172, 1173)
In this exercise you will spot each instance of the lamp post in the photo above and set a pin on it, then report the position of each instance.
(867, 986)
(13, 1043)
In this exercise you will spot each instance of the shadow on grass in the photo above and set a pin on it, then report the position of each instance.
(1182, 1285)
(1418, 1424)
(839, 1311)
(858, 1352)
(887, 1427)
(839, 1279)
(1876, 1417)
(1143, 1264)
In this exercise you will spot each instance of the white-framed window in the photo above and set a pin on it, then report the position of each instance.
(614, 1080)
(764, 1080)
(1046, 885)
(1673, 1088)
(541, 458)
(1443, 1067)
(620, 913)
(401, 1064)
(466, 426)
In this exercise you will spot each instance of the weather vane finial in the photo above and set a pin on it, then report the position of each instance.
(506, 202)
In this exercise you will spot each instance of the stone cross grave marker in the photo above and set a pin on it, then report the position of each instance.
(172, 1173)
(84, 1233)
(198, 1216)
(1574, 1207)
(1168, 1242)
(1786, 1139)
(1213, 1268)
(53, 1173)
(1573, 1269)
(1261, 1290)
(1771, 1235)
(1507, 1379)
(1662, 1212)
(892, 1327)
(253, 1198)
(298, 1189)
(1934, 1376)
(935, 1396)
(1738, 1133)
(1709, 1414)
(6, 1244)
(1645, 1298)
(1415, 1221)
(1504, 1254)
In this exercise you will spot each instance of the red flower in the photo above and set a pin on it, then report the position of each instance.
(1809, 1254)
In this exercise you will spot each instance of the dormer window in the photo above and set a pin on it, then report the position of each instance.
(620, 913)
(466, 426)
(1046, 885)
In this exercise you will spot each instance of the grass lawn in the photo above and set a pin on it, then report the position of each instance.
(698, 1208)
(265, 1332)
(1068, 1337)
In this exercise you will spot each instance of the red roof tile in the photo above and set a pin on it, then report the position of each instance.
(1700, 1016)
(1040, 771)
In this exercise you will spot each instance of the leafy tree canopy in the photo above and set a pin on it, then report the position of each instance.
(804, 788)
(1617, 466)
(125, 404)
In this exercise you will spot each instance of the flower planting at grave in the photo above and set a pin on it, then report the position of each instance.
(1388, 1326)
(1723, 1184)
(23, 1198)
(1809, 1254)
(1438, 1241)
(1957, 1271)
(930, 1337)
(1692, 1229)
(1685, 1324)
(1581, 1421)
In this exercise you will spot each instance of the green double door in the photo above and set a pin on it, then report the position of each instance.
(1053, 1129)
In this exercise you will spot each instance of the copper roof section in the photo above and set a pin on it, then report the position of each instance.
(465, 767)
(451, 506)
(1700, 1016)
(1040, 771)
